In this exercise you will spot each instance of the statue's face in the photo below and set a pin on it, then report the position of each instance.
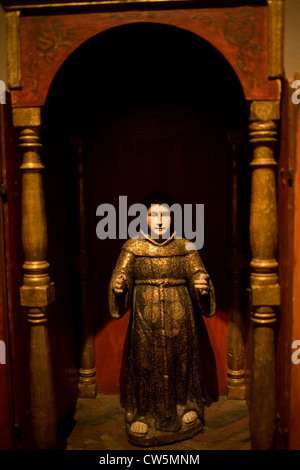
(159, 221)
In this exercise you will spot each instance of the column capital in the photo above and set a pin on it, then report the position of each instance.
(27, 117)
(265, 110)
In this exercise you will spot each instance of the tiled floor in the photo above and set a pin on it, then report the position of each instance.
(99, 425)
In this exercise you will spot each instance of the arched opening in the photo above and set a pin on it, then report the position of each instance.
(154, 105)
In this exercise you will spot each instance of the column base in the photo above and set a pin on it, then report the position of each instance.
(87, 383)
(236, 388)
(87, 390)
(237, 392)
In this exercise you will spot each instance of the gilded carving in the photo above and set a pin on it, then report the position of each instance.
(275, 38)
(37, 291)
(236, 263)
(265, 289)
(87, 371)
(13, 50)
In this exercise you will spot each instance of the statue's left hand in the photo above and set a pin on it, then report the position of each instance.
(202, 284)
(119, 284)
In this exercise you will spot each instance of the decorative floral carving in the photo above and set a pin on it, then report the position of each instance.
(239, 30)
(47, 41)
(206, 21)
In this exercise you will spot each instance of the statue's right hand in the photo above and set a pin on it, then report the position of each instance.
(119, 284)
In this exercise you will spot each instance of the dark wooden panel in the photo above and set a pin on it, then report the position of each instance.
(5, 415)
(285, 258)
(9, 324)
(16, 318)
(294, 427)
(5, 376)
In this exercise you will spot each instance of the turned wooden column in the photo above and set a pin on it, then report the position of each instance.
(37, 291)
(236, 262)
(265, 289)
(87, 371)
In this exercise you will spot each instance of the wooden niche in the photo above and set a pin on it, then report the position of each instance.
(101, 96)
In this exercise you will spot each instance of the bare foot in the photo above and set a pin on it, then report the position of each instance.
(189, 418)
(139, 428)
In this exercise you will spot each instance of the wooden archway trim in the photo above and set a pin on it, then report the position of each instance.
(239, 34)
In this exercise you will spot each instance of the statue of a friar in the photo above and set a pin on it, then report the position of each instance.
(164, 283)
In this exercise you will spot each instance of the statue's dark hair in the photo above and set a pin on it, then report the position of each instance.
(158, 197)
(162, 198)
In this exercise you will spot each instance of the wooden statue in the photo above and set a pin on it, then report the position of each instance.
(165, 285)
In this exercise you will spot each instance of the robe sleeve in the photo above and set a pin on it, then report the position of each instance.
(119, 303)
(194, 266)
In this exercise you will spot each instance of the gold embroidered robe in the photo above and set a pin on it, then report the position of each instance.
(163, 373)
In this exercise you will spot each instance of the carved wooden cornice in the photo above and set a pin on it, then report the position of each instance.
(71, 5)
